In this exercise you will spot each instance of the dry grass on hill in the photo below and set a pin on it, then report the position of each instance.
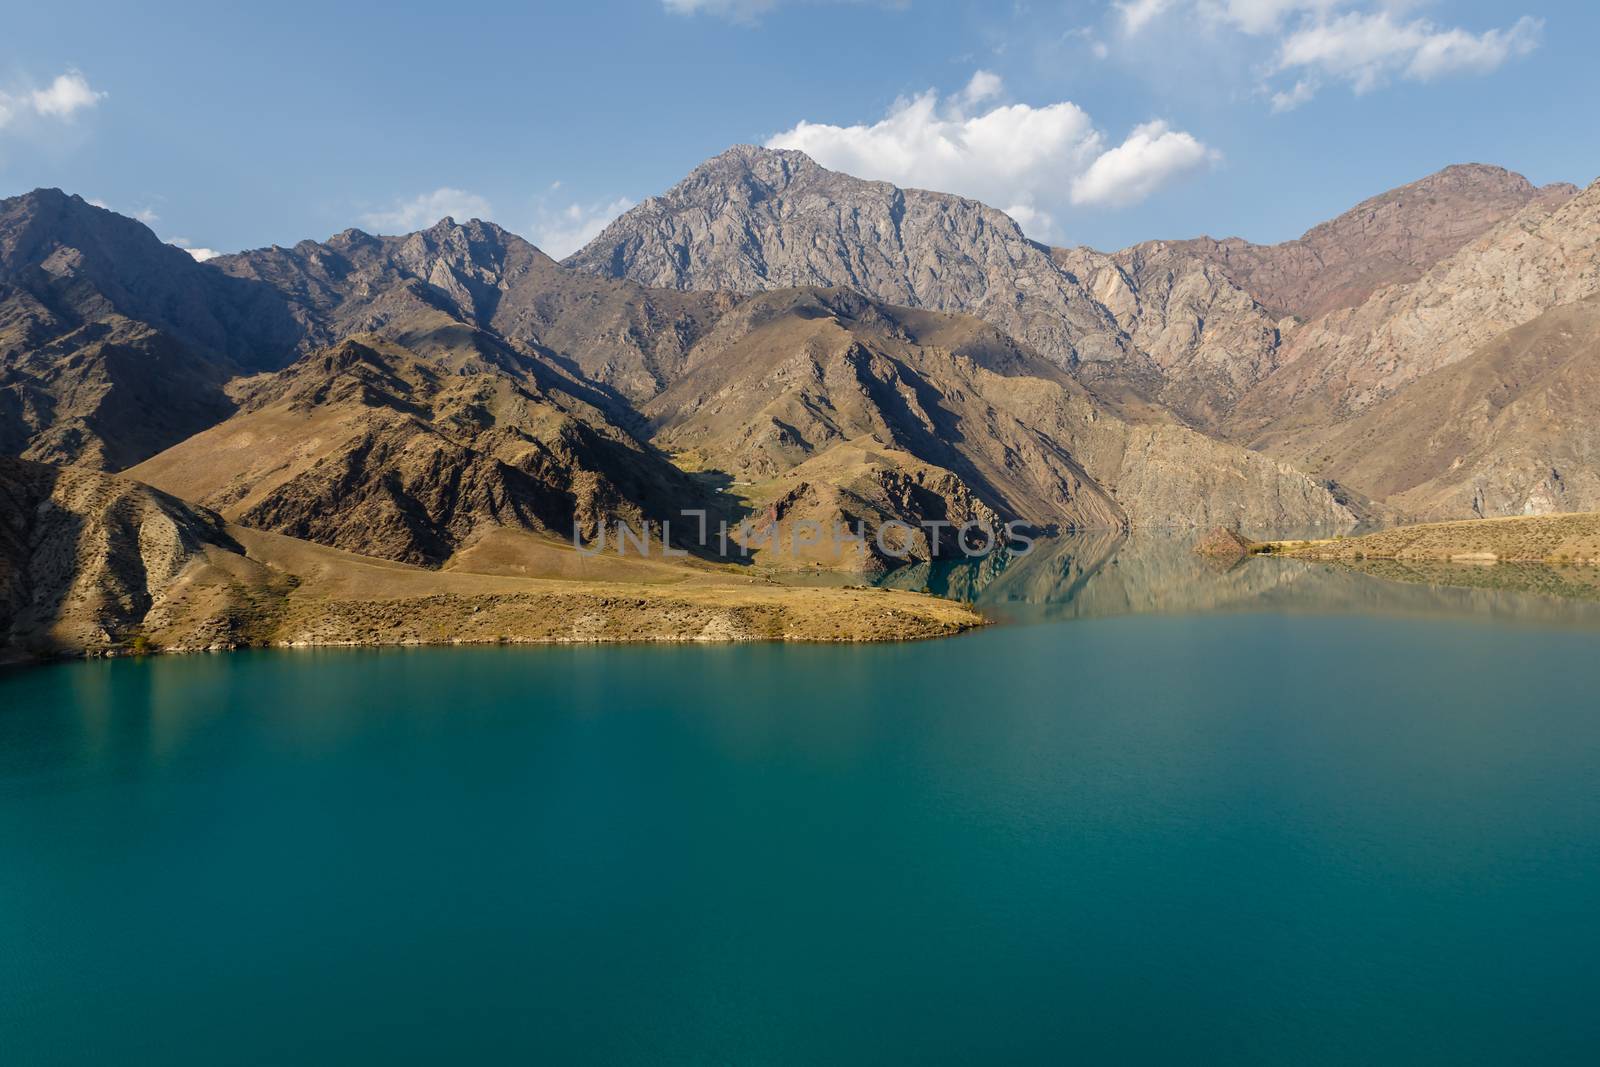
(1522, 539)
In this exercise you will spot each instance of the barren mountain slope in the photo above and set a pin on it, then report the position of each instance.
(793, 377)
(370, 447)
(1208, 339)
(1213, 315)
(612, 332)
(1343, 363)
(754, 219)
(114, 345)
(93, 563)
(1513, 429)
(85, 557)
(1187, 327)
(1390, 239)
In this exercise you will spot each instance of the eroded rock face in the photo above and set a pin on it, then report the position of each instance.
(1207, 341)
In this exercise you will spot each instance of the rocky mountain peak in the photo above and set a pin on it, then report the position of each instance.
(754, 219)
(48, 222)
(756, 159)
(475, 249)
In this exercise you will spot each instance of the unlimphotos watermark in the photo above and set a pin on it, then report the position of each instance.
(940, 538)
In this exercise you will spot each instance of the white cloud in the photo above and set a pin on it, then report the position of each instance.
(67, 95)
(201, 254)
(1028, 161)
(1367, 50)
(62, 99)
(1152, 156)
(984, 85)
(1459, 52)
(1363, 43)
(147, 216)
(1288, 100)
(422, 211)
(1137, 14)
(559, 232)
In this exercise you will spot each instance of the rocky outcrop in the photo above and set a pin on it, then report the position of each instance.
(1222, 543)
(1220, 321)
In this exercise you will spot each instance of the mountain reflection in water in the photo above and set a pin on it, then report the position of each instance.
(1104, 573)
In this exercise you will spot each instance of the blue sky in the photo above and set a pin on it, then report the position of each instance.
(235, 126)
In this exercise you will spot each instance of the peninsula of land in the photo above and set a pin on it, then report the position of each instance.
(1559, 539)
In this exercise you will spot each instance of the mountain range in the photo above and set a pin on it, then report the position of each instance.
(1280, 348)
(772, 340)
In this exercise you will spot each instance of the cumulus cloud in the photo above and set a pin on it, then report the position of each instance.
(62, 99)
(1028, 161)
(984, 85)
(426, 209)
(559, 232)
(66, 96)
(1152, 156)
(1367, 50)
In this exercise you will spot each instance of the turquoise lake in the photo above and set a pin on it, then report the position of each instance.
(1169, 814)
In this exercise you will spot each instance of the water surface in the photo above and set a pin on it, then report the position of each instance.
(1179, 816)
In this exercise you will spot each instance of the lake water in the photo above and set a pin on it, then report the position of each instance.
(1171, 814)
